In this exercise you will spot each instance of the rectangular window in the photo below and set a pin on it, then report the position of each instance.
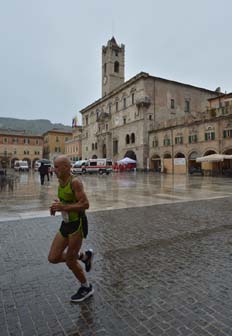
(172, 103)
(116, 106)
(193, 138)
(5, 140)
(110, 105)
(86, 120)
(227, 134)
(124, 103)
(115, 147)
(209, 136)
(155, 143)
(132, 98)
(179, 140)
(124, 120)
(167, 142)
(187, 105)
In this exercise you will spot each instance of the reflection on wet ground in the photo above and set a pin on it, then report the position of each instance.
(118, 190)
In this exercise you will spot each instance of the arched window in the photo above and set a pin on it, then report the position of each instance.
(127, 139)
(132, 138)
(116, 66)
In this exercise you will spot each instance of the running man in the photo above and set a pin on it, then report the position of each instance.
(66, 245)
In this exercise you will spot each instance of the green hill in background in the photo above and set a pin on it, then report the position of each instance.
(38, 126)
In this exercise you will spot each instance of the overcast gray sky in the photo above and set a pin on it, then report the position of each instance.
(50, 58)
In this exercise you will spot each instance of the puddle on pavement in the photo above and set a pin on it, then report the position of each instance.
(118, 190)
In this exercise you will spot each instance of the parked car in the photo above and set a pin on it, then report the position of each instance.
(196, 170)
(20, 165)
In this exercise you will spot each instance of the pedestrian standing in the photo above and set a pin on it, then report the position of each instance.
(42, 171)
(47, 172)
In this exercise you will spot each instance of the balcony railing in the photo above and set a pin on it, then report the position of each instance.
(143, 101)
(220, 111)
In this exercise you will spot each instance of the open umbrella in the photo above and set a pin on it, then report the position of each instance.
(45, 161)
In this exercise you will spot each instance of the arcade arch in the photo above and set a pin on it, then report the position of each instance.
(192, 160)
(209, 152)
(155, 163)
(167, 156)
(179, 155)
(131, 154)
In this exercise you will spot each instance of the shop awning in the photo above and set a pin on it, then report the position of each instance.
(214, 158)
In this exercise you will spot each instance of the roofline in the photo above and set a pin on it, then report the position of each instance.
(23, 135)
(136, 78)
(57, 131)
(115, 91)
(184, 84)
(221, 96)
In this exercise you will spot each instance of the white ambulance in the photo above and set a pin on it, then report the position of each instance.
(100, 166)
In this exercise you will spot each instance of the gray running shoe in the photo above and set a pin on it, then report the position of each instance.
(82, 294)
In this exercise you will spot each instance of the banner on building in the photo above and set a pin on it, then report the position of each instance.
(179, 161)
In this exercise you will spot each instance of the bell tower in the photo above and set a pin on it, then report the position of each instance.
(113, 66)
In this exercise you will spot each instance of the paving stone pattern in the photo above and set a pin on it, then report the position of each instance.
(159, 270)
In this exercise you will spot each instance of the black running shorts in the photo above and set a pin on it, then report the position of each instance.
(70, 228)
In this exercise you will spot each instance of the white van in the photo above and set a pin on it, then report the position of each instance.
(77, 167)
(100, 166)
(20, 165)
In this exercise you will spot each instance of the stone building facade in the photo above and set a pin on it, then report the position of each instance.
(54, 143)
(176, 143)
(73, 146)
(19, 145)
(119, 123)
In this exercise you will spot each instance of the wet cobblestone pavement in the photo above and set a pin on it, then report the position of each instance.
(119, 190)
(163, 270)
